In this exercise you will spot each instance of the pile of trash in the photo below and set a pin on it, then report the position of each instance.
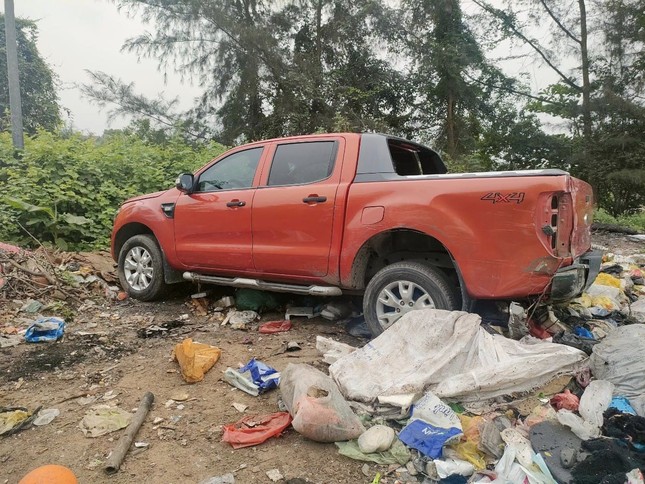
(439, 397)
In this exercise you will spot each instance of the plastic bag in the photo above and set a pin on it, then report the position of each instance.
(45, 329)
(103, 419)
(450, 467)
(262, 375)
(428, 439)
(595, 400)
(432, 410)
(622, 405)
(468, 448)
(398, 453)
(253, 430)
(319, 411)
(252, 299)
(236, 379)
(195, 359)
(566, 400)
(275, 327)
(578, 425)
(539, 414)
(332, 350)
(378, 438)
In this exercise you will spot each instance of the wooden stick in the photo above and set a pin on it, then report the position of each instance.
(115, 459)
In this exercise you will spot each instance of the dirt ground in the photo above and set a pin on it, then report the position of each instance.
(102, 355)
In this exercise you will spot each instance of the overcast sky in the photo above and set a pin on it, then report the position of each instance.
(79, 35)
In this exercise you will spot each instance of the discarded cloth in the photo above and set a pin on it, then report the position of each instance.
(397, 454)
(319, 410)
(45, 329)
(195, 359)
(253, 430)
(575, 341)
(14, 419)
(624, 426)
(448, 353)
(608, 462)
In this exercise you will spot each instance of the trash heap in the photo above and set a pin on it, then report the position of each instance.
(439, 397)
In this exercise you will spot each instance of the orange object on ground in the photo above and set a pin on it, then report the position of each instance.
(50, 474)
(275, 327)
(253, 430)
(195, 359)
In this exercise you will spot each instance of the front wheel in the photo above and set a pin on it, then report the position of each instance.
(403, 287)
(141, 268)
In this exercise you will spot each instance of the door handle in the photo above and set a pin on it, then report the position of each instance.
(314, 199)
(236, 203)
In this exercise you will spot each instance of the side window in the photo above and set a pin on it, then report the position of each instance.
(234, 171)
(302, 163)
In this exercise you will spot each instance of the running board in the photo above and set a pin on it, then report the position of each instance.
(263, 285)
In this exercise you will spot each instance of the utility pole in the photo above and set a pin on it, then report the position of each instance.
(15, 105)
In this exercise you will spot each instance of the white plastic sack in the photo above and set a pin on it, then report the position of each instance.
(619, 359)
(449, 353)
(318, 409)
(595, 400)
(450, 467)
(431, 409)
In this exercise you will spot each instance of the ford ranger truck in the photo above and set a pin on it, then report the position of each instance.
(366, 214)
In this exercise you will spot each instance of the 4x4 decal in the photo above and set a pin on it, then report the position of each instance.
(496, 197)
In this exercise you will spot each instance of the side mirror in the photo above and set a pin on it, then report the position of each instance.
(185, 182)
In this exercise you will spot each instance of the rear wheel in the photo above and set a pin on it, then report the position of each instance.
(141, 268)
(403, 287)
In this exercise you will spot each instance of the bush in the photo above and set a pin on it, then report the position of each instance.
(635, 221)
(626, 192)
(77, 176)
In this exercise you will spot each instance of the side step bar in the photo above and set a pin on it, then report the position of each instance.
(263, 285)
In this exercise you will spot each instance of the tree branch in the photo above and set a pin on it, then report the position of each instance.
(508, 23)
(559, 23)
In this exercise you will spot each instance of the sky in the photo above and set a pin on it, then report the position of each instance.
(80, 35)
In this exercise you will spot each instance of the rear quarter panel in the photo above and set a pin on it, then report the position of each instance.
(495, 242)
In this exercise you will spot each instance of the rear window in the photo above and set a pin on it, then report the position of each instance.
(302, 163)
(410, 159)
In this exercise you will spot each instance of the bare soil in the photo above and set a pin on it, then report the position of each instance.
(102, 355)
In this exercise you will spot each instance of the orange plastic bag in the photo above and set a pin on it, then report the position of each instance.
(275, 327)
(253, 430)
(468, 449)
(195, 359)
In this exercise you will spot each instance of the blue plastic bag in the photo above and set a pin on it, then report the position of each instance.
(583, 332)
(262, 375)
(45, 329)
(426, 438)
(623, 405)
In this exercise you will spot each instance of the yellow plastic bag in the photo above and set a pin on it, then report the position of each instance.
(604, 302)
(607, 280)
(584, 300)
(467, 448)
(195, 359)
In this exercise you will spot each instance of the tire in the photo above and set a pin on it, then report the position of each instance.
(141, 268)
(406, 282)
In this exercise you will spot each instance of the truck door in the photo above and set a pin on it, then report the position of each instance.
(213, 224)
(293, 208)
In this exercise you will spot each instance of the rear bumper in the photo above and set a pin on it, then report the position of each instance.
(570, 281)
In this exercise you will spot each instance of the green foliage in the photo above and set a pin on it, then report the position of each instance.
(634, 221)
(59, 182)
(627, 191)
(40, 107)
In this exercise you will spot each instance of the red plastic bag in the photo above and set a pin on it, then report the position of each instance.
(253, 430)
(565, 400)
(275, 327)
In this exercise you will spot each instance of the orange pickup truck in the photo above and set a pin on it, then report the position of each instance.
(363, 214)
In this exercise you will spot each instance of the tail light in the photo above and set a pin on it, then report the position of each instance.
(556, 222)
